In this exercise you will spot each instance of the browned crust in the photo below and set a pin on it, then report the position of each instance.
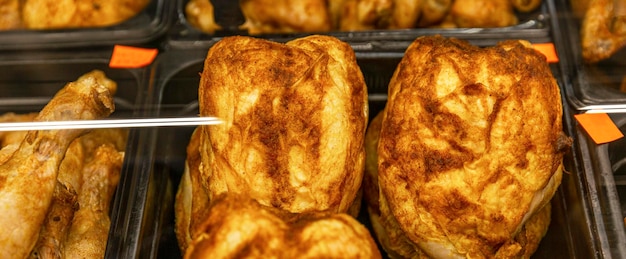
(268, 232)
(470, 136)
(294, 120)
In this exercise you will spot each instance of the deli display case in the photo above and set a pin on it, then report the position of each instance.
(588, 209)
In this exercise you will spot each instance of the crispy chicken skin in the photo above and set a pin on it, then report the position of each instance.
(89, 229)
(294, 119)
(392, 238)
(29, 174)
(471, 148)
(355, 15)
(483, 13)
(192, 198)
(603, 30)
(61, 14)
(284, 16)
(10, 16)
(256, 231)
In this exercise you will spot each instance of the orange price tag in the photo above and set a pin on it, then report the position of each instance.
(548, 50)
(599, 126)
(131, 57)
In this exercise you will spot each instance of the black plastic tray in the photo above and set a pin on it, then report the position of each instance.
(535, 24)
(591, 84)
(176, 85)
(605, 176)
(146, 26)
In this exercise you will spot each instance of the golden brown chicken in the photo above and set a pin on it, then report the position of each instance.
(10, 16)
(483, 13)
(294, 119)
(470, 150)
(192, 198)
(61, 14)
(603, 30)
(356, 15)
(89, 229)
(77, 222)
(29, 173)
(285, 16)
(246, 228)
(53, 232)
(200, 14)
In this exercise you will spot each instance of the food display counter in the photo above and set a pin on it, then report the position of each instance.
(588, 210)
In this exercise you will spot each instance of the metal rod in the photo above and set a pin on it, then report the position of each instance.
(109, 123)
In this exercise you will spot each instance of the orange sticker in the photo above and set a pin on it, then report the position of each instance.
(131, 57)
(548, 50)
(599, 126)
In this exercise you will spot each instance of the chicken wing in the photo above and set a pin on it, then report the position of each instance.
(29, 174)
(603, 30)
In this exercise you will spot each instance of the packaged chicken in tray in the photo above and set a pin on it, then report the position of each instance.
(58, 184)
(291, 142)
(597, 37)
(45, 24)
(45, 14)
(320, 16)
(468, 152)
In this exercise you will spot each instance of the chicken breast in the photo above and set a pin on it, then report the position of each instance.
(256, 231)
(294, 119)
(470, 149)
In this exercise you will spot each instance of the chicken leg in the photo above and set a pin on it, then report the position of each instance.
(88, 234)
(28, 176)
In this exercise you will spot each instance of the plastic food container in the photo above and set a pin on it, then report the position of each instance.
(146, 26)
(177, 75)
(28, 82)
(592, 84)
(605, 176)
(535, 24)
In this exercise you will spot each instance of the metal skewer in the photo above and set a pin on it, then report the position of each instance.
(109, 123)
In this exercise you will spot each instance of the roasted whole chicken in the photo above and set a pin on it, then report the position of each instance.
(58, 184)
(63, 14)
(294, 117)
(467, 154)
(267, 232)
